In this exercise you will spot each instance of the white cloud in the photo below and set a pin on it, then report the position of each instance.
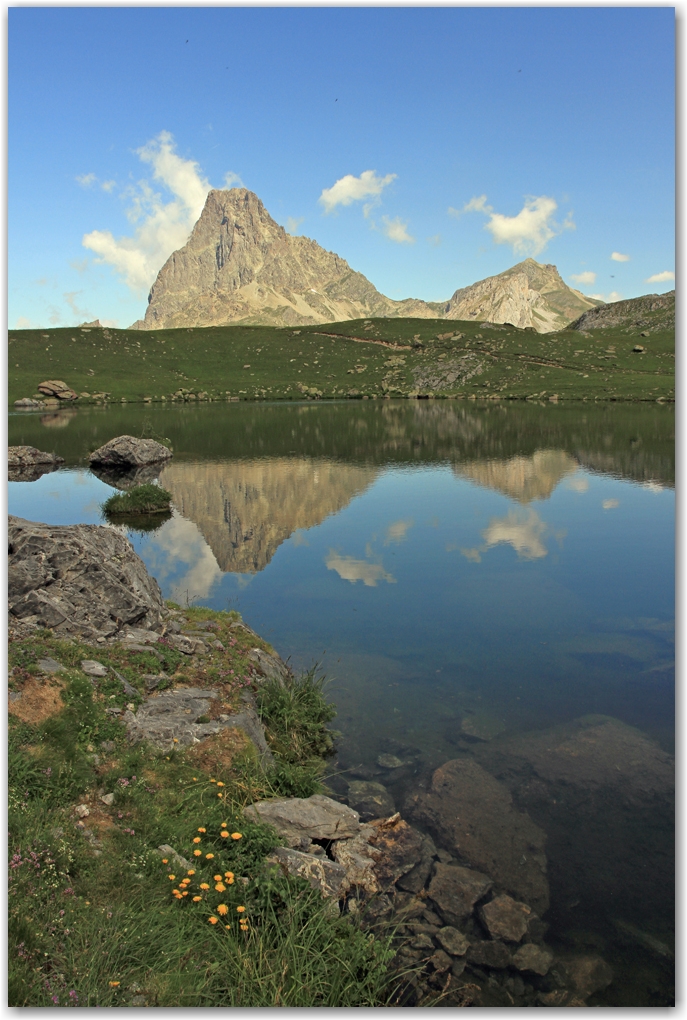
(81, 314)
(232, 180)
(434, 240)
(162, 227)
(398, 531)
(661, 277)
(617, 257)
(22, 323)
(587, 277)
(85, 180)
(354, 189)
(350, 569)
(608, 298)
(529, 231)
(293, 223)
(397, 230)
(108, 185)
(578, 484)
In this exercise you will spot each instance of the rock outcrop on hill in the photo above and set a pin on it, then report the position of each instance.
(527, 295)
(240, 266)
(651, 313)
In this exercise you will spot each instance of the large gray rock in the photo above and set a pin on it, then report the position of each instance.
(306, 818)
(455, 891)
(128, 451)
(172, 718)
(57, 388)
(472, 815)
(79, 579)
(270, 665)
(320, 872)
(26, 463)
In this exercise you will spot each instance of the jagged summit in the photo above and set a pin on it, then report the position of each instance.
(240, 266)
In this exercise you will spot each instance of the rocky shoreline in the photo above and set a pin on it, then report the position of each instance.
(463, 877)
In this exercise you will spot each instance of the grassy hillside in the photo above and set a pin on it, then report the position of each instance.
(363, 358)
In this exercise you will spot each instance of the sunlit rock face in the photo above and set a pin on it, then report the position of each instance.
(521, 478)
(246, 509)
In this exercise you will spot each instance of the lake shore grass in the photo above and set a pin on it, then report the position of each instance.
(97, 915)
(371, 358)
(143, 500)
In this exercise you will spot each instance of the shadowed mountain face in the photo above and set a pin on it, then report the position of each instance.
(239, 265)
(246, 509)
(652, 313)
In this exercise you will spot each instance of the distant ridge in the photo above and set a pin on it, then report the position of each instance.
(651, 312)
(240, 266)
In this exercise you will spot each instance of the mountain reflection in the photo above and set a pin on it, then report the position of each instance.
(521, 478)
(245, 509)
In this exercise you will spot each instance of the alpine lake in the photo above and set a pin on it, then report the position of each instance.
(487, 581)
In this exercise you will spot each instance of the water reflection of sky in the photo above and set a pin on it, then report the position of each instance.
(547, 594)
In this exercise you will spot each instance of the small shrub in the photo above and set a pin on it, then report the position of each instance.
(144, 499)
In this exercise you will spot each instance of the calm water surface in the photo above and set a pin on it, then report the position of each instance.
(464, 574)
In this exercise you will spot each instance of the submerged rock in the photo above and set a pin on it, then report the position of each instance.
(125, 476)
(79, 579)
(455, 891)
(453, 941)
(505, 918)
(128, 451)
(370, 800)
(472, 814)
(400, 848)
(533, 957)
(584, 975)
(489, 954)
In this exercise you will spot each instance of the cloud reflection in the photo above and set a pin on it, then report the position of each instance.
(350, 569)
(179, 545)
(398, 531)
(523, 530)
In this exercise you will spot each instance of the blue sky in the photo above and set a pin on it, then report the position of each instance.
(429, 147)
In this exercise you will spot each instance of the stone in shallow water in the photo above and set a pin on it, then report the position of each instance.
(400, 848)
(389, 761)
(455, 891)
(453, 941)
(472, 814)
(533, 957)
(489, 954)
(370, 800)
(315, 817)
(129, 450)
(584, 974)
(482, 726)
(506, 918)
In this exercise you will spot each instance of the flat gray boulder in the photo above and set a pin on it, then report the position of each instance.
(306, 818)
(271, 666)
(128, 451)
(79, 579)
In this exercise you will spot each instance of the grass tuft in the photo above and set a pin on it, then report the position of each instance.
(144, 499)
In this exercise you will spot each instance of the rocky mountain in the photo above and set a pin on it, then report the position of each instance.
(240, 266)
(652, 312)
(528, 294)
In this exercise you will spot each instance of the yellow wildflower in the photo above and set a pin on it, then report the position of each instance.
(196, 853)
(204, 885)
(237, 835)
(213, 780)
(224, 834)
(196, 839)
(220, 887)
(219, 794)
(213, 920)
(165, 860)
(171, 877)
(197, 899)
(222, 908)
(185, 892)
(240, 910)
(228, 874)
(114, 984)
(209, 856)
(202, 830)
(217, 878)
(191, 871)
(220, 784)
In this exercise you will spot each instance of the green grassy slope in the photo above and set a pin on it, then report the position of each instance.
(373, 358)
